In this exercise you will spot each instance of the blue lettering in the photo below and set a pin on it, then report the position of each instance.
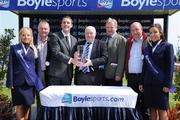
(75, 99)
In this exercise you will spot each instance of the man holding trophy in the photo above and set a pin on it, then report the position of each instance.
(92, 54)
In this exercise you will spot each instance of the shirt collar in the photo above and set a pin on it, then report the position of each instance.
(64, 34)
(113, 34)
(40, 39)
(90, 42)
(141, 39)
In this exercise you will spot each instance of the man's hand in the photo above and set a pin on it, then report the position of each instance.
(166, 89)
(88, 63)
(76, 56)
(76, 62)
(117, 78)
(141, 88)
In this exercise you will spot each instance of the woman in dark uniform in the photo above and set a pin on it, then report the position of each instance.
(157, 73)
(23, 76)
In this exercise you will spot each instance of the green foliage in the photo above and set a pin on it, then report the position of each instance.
(6, 108)
(5, 41)
(177, 84)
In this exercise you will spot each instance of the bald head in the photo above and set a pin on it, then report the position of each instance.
(136, 30)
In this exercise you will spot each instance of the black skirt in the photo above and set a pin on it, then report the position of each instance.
(23, 95)
(154, 97)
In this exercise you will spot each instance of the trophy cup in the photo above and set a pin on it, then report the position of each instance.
(80, 52)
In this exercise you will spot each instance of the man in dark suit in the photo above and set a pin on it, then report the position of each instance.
(60, 68)
(94, 54)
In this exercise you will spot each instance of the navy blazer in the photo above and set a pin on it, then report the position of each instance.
(22, 69)
(163, 58)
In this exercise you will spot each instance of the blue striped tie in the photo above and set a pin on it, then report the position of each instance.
(86, 69)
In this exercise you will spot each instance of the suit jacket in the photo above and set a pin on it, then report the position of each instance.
(99, 56)
(163, 58)
(36, 44)
(116, 57)
(59, 55)
(22, 69)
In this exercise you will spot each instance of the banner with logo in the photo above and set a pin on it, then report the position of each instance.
(88, 96)
(89, 5)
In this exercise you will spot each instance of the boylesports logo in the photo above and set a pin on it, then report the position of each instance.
(67, 98)
(105, 4)
(4, 3)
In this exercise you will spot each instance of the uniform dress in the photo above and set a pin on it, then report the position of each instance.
(22, 75)
(162, 57)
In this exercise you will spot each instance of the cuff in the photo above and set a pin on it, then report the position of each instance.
(91, 64)
(69, 62)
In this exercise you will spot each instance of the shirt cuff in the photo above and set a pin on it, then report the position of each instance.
(69, 62)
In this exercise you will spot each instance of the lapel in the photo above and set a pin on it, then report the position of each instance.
(158, 48)
(94, 47)
(62, 39)
(18, 49)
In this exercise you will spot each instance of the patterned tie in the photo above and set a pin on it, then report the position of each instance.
(86, 69)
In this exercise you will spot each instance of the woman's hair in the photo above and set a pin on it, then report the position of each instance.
(158, 26)
(23, 29)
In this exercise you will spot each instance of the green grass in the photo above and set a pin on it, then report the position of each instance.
(172, 102)
(6, 91)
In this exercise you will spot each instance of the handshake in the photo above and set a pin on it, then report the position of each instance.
(80, 61)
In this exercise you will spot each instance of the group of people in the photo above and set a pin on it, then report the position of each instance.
(147, 64)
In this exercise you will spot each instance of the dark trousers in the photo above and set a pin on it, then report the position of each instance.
(38, 102)
(112, 82)
(90, 78)
(51, 80)
(133, 82)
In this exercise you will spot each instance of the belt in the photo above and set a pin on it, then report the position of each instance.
(134, 74)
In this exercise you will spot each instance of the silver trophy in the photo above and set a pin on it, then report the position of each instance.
(80, 53)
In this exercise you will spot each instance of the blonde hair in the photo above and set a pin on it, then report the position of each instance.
(22, 30)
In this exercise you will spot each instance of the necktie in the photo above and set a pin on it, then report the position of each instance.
(68, 41)
(108, 38)
(86, 69)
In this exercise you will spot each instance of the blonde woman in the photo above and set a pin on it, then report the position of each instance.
(23, 75)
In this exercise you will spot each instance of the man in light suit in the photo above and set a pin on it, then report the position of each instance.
(94, 54)
(59, 68)
(114, 69)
